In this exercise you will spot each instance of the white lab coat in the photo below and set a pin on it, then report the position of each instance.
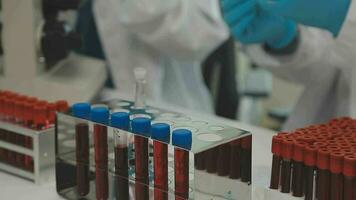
(325, 66)
(170, 38)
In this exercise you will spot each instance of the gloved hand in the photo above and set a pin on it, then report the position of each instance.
(250, 24)
(325, 14)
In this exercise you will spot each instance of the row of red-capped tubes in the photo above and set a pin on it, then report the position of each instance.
(329, 150)
(232, 159)
(28, 112)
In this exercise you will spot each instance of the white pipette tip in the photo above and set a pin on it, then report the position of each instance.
(140, 73)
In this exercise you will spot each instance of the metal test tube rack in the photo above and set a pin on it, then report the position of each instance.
(43, 153)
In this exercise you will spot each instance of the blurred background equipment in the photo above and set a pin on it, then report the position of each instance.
(39, 58)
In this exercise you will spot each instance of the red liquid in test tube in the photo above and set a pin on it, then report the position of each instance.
(141, 126)
(310, 154)
(246, 159)
(298, 170)
(287, 153)
(235, 159)
(223, 160)
(181, 138)
(121, 120)
(82, 110)
(100, 115)
(160, 133)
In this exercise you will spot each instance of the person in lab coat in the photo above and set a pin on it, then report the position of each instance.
(168, 38)
(322, 58)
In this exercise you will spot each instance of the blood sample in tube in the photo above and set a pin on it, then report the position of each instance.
(100, 115)
(246, 159)
(298, 170)
(323, 174)
(160, 133)
(223, 160)
(199, 160)
(310, 154)
(211, 156)
(276, 161)
(182, 139)
(235, 159)
(121, 120)
(82, 110)
(287, 153)
(349, 173)
(141, 127)
(336, 168)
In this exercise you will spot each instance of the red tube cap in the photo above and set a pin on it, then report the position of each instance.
(287, 148)
(323, 158)
(298, 152)
(277, 145)
(310, 153)
(336, 162)
(350, 166)
(62, 106)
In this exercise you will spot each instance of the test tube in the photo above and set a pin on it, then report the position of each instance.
(287, 153)
(121, 120)
(336, 167)
(160, 133)
(298, 170)
(82, 111)
(323, 174)
(310, 154)
(141, 127)
(349, 172)
(140, 96)
(211, 156)
(223, 160)
(100, 116)
(199, 160)
(182, 139)
(235, 159)
(246, 159)
(276, 161)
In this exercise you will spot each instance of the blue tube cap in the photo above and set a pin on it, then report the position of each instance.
(100, 115)
(160, 131)
(141, 125)
(81, 110)
(182, 138)
(120, 120)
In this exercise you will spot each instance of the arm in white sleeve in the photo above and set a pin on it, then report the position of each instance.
(183, 29)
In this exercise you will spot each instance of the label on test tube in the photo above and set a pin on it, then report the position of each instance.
(181, 138)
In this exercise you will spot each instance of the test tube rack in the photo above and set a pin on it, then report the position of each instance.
(207, 136)
(42, 153)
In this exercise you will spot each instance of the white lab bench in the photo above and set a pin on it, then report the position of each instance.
(12, 187)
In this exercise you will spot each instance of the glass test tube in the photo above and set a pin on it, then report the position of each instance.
(235, 159)
(100, 115)
(140, 96)
(336, 183)
(223, 160)
(349, 172)
(160, 133)
(298, 170)
(310, 154)
(287, 153)
(246, 158)
(276, 161)
(182, 139)
(121, 120)
(82, 110)
(141, 127)
(323, 174)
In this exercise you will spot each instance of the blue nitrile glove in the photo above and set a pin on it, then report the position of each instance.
(250, 24)
(325, 14)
